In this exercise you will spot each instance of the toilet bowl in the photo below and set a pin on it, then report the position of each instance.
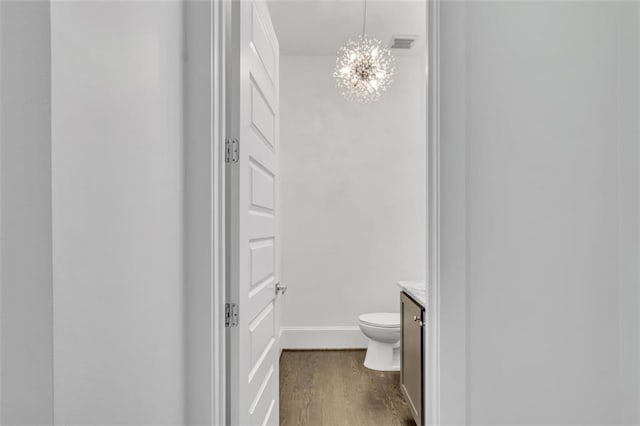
(383, 331)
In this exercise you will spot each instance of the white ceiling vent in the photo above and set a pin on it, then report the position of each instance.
(403, 41)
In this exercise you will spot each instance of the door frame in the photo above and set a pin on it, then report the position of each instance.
(218, 29)
(204, 65)
(434, 332)
(445, 336)
(220, 21)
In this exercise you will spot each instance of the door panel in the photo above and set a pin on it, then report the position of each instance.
(261, 41)
(253, 239)
(262, 117)
(262, 189)
(261, 260)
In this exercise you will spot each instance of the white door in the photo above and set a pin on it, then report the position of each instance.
(253, 216)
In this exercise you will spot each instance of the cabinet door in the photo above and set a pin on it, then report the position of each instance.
(411, 379)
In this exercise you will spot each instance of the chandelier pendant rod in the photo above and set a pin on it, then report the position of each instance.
(364, 17)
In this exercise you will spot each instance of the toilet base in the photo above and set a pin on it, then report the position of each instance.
(383, 356)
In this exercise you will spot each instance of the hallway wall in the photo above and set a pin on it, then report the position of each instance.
(118, 212)
(540, 165)
(26, 379)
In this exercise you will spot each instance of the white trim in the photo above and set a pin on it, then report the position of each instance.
(432, 331)
(1, 265)
(218, 108)
(204, 213)
(335, 337)
(446, 380)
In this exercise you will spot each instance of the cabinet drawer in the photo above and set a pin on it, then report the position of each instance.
(412, 360)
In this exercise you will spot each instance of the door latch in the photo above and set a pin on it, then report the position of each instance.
(418, 320)
(280, 288)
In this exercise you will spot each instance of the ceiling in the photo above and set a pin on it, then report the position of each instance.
(320, 27)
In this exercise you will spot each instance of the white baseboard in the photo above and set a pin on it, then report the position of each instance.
(336, 337)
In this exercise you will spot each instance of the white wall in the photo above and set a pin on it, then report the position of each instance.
(629, 215)
(117, 212)
(26, 386)
(352, 194)
(539, 150)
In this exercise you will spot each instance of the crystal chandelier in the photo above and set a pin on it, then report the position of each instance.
(364, 67)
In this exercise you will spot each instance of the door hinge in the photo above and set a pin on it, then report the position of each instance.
(231, 150)
(230, 315)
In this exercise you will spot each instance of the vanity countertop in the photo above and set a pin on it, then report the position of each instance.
(415, 289)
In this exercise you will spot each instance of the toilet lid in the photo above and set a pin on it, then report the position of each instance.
(381, 319)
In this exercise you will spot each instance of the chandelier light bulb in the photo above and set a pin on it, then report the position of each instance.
(364, 68)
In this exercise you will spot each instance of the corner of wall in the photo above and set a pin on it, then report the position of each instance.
(26, 312)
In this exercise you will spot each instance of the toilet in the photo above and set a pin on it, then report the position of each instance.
(383, 331)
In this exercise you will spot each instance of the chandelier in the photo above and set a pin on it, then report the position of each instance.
(364, 67)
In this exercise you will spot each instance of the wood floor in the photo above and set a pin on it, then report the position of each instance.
(333, 388)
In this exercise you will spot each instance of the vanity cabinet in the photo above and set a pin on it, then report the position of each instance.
(411, 352)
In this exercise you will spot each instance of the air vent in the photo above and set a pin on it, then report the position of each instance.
(402, 41)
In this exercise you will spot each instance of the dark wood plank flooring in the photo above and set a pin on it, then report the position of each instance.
(333, 388)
